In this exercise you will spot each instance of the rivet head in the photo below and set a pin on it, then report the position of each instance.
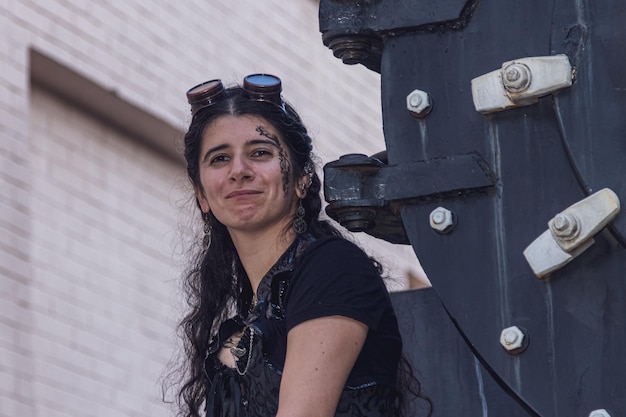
(516, 77)
(599, 413)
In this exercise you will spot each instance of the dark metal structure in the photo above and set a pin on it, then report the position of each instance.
(504, 170)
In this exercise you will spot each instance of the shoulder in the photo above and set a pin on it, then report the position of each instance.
(333, 276)
(334, 252)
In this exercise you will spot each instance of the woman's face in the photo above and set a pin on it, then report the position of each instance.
(246, 175)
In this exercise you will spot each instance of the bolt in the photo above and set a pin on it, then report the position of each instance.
(512, 74)
(351, 49)
(357, 225)
(438, 217)
(561, 222)
(516, 78)
(565, 226)
(357, 219)
(442, 220)
(415, 100)
(512, 338)
(599, 413)
(418, 103)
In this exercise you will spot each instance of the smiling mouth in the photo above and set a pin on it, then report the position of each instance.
(242, 193)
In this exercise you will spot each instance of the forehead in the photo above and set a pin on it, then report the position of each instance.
(239, 129)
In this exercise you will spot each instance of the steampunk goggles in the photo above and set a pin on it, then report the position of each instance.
(258, 87)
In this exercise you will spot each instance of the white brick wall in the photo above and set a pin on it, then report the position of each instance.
(102, 289)
(91, 219)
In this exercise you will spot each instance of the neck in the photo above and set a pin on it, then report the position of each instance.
(258, 252)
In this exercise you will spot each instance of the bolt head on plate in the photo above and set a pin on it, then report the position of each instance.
(516, 77)
(441, 220)
(565, 226)
(512, 338)
(418, 103)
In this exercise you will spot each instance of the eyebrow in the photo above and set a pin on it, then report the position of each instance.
(250, 142)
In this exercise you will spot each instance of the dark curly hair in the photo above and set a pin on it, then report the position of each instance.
(212, 284)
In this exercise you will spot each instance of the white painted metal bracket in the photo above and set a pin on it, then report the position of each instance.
(521, 82)
(571, 232)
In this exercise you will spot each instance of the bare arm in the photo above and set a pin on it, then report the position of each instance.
(320, 355)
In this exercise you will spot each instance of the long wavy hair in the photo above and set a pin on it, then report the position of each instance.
(214, 283)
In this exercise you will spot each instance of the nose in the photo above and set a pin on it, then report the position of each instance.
(241, 169)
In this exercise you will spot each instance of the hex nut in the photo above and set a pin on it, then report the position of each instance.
(599, 413)
(512, 338)
(516, 77)
(418, 103)
(441, 220)
(565, 226)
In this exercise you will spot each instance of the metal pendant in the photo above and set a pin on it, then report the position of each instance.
(237, 351)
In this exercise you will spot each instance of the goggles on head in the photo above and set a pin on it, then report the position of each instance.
(258, 87)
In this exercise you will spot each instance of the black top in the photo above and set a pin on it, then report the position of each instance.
(312, 279)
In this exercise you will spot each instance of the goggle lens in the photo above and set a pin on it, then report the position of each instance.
(205, 94)
(263, 87)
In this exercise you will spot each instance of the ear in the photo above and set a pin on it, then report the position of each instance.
(304, 182)
(302, 186)
(202, 200)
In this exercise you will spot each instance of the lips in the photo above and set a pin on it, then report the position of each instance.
(242, 193)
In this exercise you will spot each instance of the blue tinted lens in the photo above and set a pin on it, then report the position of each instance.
(263, 79)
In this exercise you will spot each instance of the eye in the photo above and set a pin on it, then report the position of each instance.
(261, 153)
(218, 159)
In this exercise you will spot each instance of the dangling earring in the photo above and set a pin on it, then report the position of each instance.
(206, 240)
(299, 224)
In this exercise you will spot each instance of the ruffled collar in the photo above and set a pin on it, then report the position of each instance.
(269, 287)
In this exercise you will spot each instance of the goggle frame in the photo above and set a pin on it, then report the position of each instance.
(258, 87)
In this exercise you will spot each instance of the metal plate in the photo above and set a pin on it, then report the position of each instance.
(546, 157)
(479, 269)
(591, 113)
(451, 377)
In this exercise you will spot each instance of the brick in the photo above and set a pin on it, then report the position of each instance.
(56, 12)
(15, 267)
(9, 120)
(15, 358)
(51, 327)
(8, 337)
(11, 407)
(14, 243)
(60, 399)
(15, 313)
(28, 16)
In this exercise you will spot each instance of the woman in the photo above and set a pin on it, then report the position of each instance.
(287, 318)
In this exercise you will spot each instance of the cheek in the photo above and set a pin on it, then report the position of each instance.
(207, 184)
(280, 178)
